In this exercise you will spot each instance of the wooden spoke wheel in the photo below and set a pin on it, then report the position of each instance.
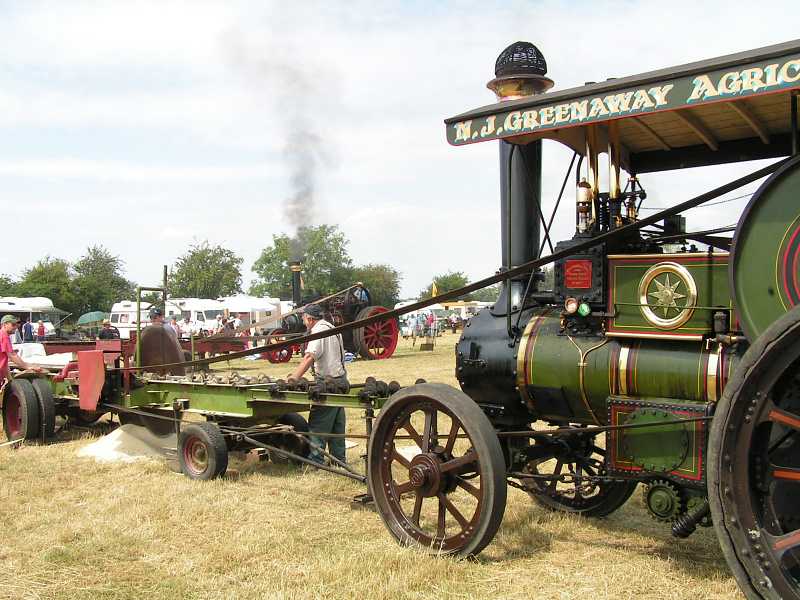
(581, 462)
(202, 451)
(21, 415)
(754, 465)
(281, 355)
(379, 339)
(436, 470)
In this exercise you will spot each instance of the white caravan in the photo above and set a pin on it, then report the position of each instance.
(35, 309)
(123, 317)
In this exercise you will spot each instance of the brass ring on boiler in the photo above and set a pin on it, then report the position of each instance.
(648, 304)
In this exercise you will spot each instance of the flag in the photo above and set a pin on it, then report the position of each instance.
(434, 289)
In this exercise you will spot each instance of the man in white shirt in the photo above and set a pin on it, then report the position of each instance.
(327, 357)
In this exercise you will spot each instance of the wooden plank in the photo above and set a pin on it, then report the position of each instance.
(697, 126)
(743, 111)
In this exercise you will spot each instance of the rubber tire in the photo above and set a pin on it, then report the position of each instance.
(216, 450)
(486, 443)
(787, 325)
(28, 406)
(47, 408)
(300, 424)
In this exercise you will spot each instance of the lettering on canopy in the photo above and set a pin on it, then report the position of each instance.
(750, 80)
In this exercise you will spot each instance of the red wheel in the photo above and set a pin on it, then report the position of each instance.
(376, 340)
(21, 411)
(281, 355)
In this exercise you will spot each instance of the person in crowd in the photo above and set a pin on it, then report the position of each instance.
(27, 330)
(325, 357)
(186, 327)
(40, 331)
(8, 325)
(108, 331)
(173, 322)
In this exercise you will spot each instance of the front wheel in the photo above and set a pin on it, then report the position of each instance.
(436, 470)
(754, 465)
(202, 451)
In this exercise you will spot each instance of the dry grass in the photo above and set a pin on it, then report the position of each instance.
(73, 528)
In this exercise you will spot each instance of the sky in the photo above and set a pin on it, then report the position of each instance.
(151, 126)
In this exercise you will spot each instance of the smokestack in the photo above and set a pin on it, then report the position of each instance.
(519, 72)
(296, 269)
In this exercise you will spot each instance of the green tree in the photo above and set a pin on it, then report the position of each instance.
(51, 278)
(382, 281)
(444, 283)
(487, 294)
(327, 267)
(206, 271)
(8, 287)
(99, 280)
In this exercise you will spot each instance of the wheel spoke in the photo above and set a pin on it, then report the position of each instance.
(557, 471)
(782, 543)
(457, 463)
(429, 434)
(402, 488)
(786, 473)
(417, 508)
(452, 436)
(777, 415)
(454, 511)
(466, 485)
(412, 432)
(440, 521)
(400, 458)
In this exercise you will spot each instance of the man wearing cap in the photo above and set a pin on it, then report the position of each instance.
(7, 326)
(108, 332)
(327, 357)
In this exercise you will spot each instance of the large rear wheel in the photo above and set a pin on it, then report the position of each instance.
(754, 465)
(377, 340)
(436, 470)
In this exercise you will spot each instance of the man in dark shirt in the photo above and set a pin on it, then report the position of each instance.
(27, 331)
(108, 332)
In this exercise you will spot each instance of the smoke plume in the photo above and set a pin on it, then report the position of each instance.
(295, 89)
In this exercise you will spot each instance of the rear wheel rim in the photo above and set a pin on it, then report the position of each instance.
(195, 455)
(13, 417)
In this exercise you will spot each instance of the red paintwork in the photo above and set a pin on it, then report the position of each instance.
(91, 377)
(70, 370)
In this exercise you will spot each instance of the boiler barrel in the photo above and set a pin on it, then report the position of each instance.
(563, 377)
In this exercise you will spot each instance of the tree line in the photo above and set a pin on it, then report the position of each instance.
(97, 279)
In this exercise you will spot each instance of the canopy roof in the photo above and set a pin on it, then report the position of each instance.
(93, 317)
(725, 109)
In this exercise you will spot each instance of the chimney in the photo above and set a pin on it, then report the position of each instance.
(296, 269)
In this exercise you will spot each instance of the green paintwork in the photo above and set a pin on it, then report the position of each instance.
(659, 448)
(765, 269)
(710, 274)
(538, 114)
(255, 403)
(551, 373)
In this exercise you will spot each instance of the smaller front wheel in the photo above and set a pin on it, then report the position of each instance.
(202, 451)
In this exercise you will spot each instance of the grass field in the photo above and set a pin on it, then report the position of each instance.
(73, 528)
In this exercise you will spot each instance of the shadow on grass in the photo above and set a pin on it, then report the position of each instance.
(527, 533)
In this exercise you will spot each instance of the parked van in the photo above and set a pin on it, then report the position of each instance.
(123, 317)
(34, 309)
(202, 313)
